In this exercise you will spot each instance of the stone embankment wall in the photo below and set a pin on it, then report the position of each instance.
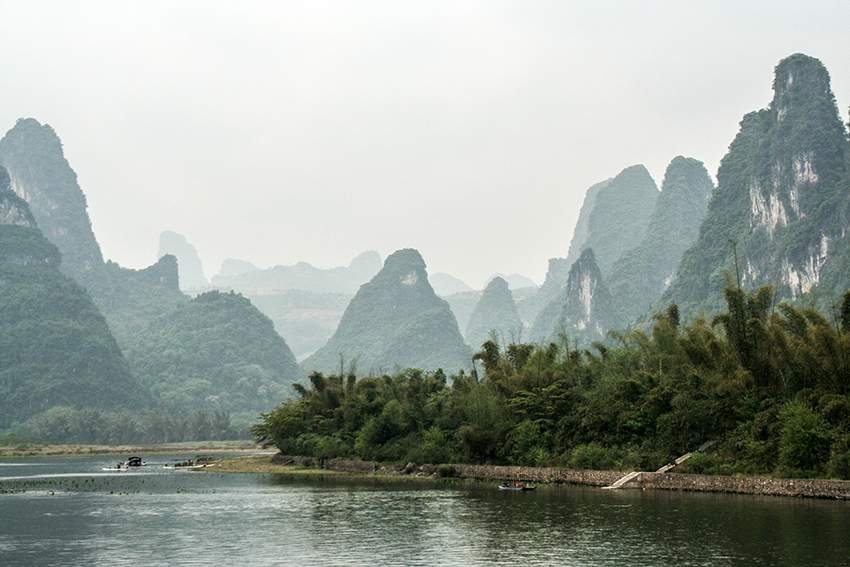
(807, 488)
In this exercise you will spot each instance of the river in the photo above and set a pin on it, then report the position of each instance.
(69, 512)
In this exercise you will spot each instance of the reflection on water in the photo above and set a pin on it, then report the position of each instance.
(70, 512)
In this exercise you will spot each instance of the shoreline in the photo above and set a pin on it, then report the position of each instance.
(29, 450)
(758, 486)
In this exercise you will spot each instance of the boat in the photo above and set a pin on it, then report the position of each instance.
(517, 482)
(198, 462)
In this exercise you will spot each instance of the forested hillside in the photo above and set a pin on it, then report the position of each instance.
(55, 347)
(395, 320)
(779, 213)
(217, 352)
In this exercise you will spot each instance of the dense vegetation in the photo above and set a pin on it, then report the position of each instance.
(215, 353)
(55, 347)
(781, 199)
(769, 386)
(395, 320)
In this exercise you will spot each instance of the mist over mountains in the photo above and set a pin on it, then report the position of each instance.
(777, 216)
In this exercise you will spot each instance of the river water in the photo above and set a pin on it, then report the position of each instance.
(69, 512)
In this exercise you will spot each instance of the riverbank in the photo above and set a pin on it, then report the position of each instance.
(27, 450)
(800, 488)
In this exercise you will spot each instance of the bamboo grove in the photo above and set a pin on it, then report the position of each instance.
(762, 388)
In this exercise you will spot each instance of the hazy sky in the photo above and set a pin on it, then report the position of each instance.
(279, 132)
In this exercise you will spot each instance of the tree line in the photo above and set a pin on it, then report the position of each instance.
(765, 386)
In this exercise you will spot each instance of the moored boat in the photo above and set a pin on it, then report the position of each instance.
(517, 482)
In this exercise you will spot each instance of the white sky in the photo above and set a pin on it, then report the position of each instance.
(278, 132)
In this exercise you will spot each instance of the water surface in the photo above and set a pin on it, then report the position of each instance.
(68, 511)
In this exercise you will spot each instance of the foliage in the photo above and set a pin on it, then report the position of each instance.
(393, 322)
(767, 386)
(55, 348)
(217, 352)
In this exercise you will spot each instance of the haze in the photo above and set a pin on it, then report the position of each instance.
(279, 132)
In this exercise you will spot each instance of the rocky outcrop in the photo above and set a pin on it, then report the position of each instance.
(190, 269)
(395, 321)
(620, 215)
(583, 309)
(779, 214)
(580, 233)
(40, 175)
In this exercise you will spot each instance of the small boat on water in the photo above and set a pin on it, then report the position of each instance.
(517, 482)
(198, 462)
(127, 465)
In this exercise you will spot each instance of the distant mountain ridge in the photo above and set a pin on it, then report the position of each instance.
(303, 276)
(620, 215)
(641, 274)
(188, 263)
(495, 312)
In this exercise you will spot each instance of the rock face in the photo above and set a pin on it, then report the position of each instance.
(494, 312)
(779, 213)
(580, 234)
(640, 275)
(582, 311)
(189, 265)
(55, 347)
(619, 217)
(556, 279)
(40, 174)
(395, 321)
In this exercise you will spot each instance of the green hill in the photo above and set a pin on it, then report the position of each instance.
(640, 275)
(55, 347)
(216, 352)
(395, 320)
(620, 215)
(779, 213)
(494, 312)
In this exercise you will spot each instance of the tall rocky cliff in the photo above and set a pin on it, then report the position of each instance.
(40, 174)
(580, 233)
(619, 217)
(189, 266)
(779, 213)
(494, 312)
(55, 347)
(582, 311)
(641, 274)
(395, 321)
